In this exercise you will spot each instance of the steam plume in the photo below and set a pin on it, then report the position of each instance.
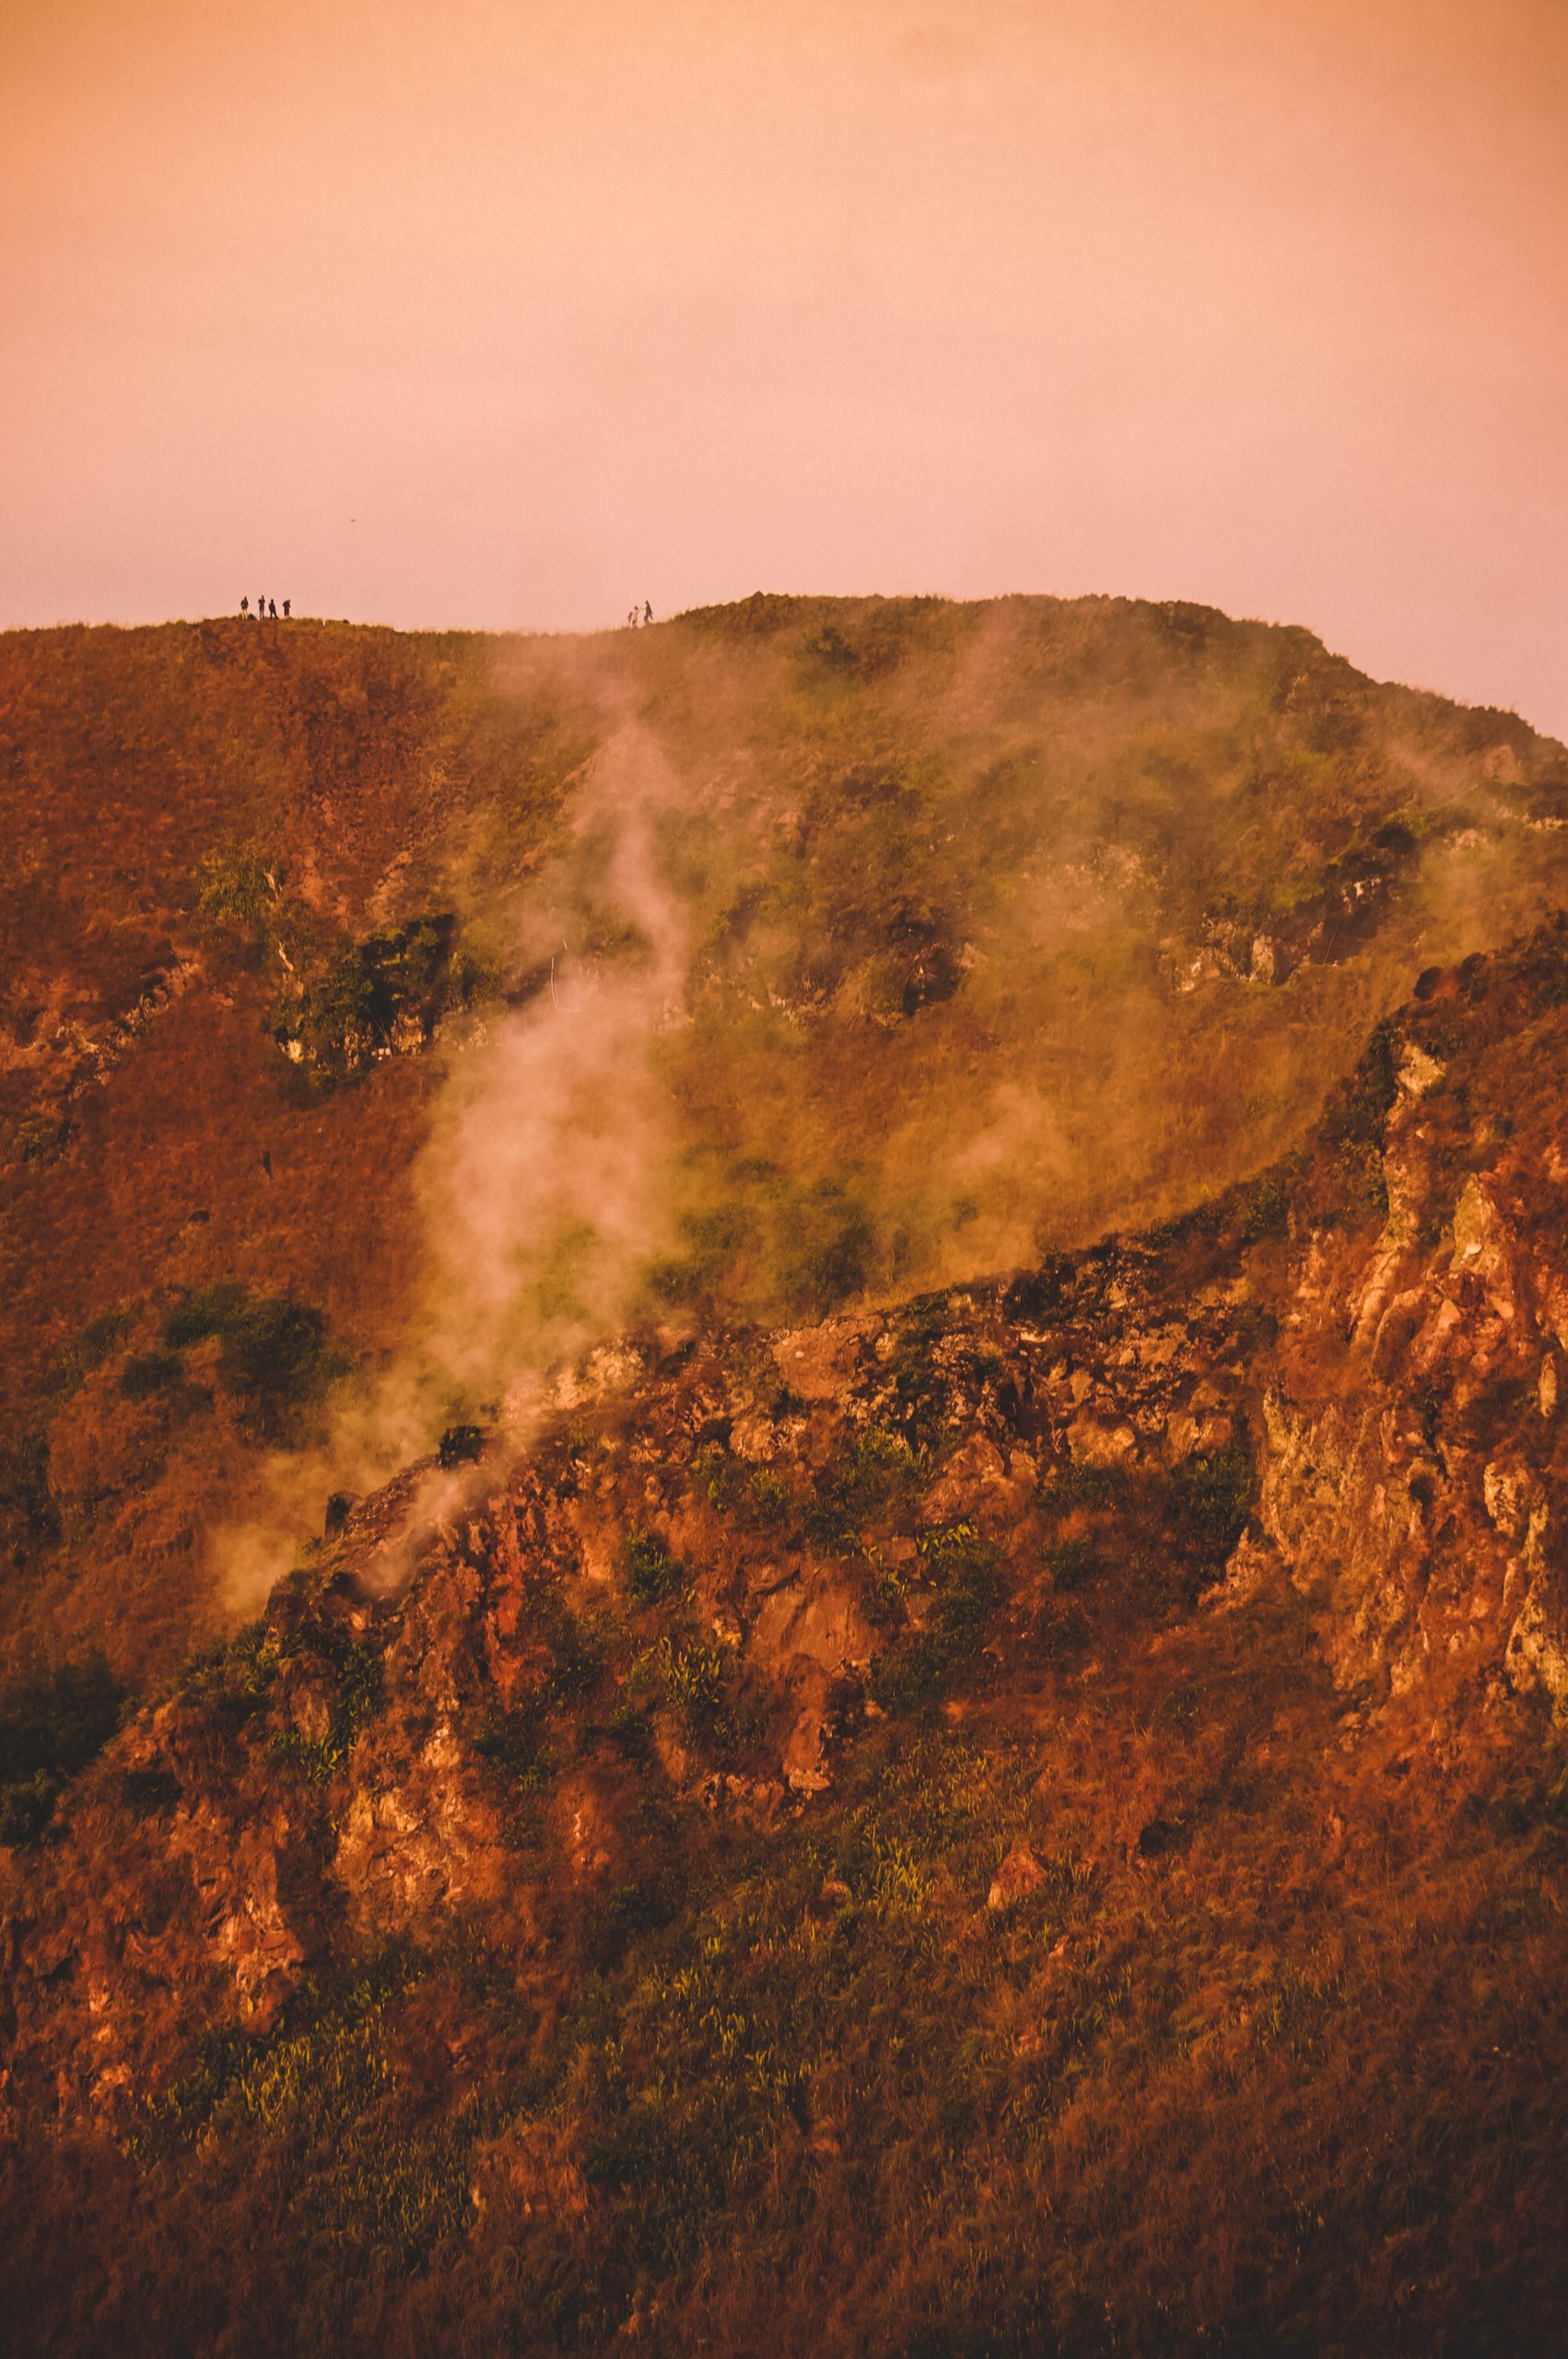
(540, 1186)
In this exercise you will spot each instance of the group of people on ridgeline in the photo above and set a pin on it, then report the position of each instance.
(633, 619)
(266, 609)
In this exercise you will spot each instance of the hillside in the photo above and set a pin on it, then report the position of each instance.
(1029, 1820)
(387, 1017)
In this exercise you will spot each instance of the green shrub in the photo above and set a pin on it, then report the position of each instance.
(768, 1498)
(1267, 1210)
(694, 1675)
(829, 646)
(1213, 1493)
(232, 1676)
(1068, 1485)
(512, 1743)
(52, 1724)
(577, 1657)
(148, 1373)
(755, 1495)
(824, 1245)
(629, 1733)
(461, 1445)
(878, 1474)
(1074, 1564)
(359, 1670)
(961, 1570)
(333, 1027)
(651, 1573)
(235, 888)
(272, 1352)
(1354, 1124)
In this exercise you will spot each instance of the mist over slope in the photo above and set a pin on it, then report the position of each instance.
(1025, 1823)
(388, 1018)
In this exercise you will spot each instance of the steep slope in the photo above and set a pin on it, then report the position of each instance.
(387, 1011)
(1028, 1822)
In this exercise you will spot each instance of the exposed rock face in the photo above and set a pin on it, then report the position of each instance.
(1326, 924)
(1412, 1475)
(1333, 1396)
(335, 1780)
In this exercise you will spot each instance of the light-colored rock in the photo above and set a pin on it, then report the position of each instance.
(1419, 1073)
(1092, 1443)
(1019, 1875)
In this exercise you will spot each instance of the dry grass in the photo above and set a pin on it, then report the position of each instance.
(1286, 2079)
(936, 867)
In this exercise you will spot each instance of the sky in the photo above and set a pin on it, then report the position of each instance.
(504, 316)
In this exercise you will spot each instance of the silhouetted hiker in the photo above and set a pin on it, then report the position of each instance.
(646, 612)
(272, 608)
(261, 610)
(631, 618)
(286, 610)
(244, 606)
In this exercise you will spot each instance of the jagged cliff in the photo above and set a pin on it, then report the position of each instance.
(1029, 1819)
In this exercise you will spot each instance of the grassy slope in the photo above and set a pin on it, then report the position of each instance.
(1292, 2088)
(1269, 2061)
(936, 869)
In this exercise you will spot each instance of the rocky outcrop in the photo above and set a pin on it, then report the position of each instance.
(733, 1552)
(1411, 1480)
(61, 1041)
(445, 1719)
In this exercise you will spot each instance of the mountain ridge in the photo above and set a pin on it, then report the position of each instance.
(989, 928)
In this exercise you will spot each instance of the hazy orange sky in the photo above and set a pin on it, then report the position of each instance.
(505, 315)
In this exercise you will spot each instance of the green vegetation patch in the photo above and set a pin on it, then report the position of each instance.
(514, 1744)
(1352, 1134)
(877, 1479)
(230, 1679)
(695, 1678)
(53, 1722)
(235, 888)
(961, 1573)
(650, 1573)
(1213, 1493)
(359, 1672)
(377, 996)
(147, 1374)
(754, 1496)
(96, 1339)
(273, 1351)
(312, 2111)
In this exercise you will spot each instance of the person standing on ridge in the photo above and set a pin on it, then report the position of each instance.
(286, 610)
(245, 606)
(261, 610)
(272, 608)
(647, 611)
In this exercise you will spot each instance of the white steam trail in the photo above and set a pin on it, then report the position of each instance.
(542, 1193)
